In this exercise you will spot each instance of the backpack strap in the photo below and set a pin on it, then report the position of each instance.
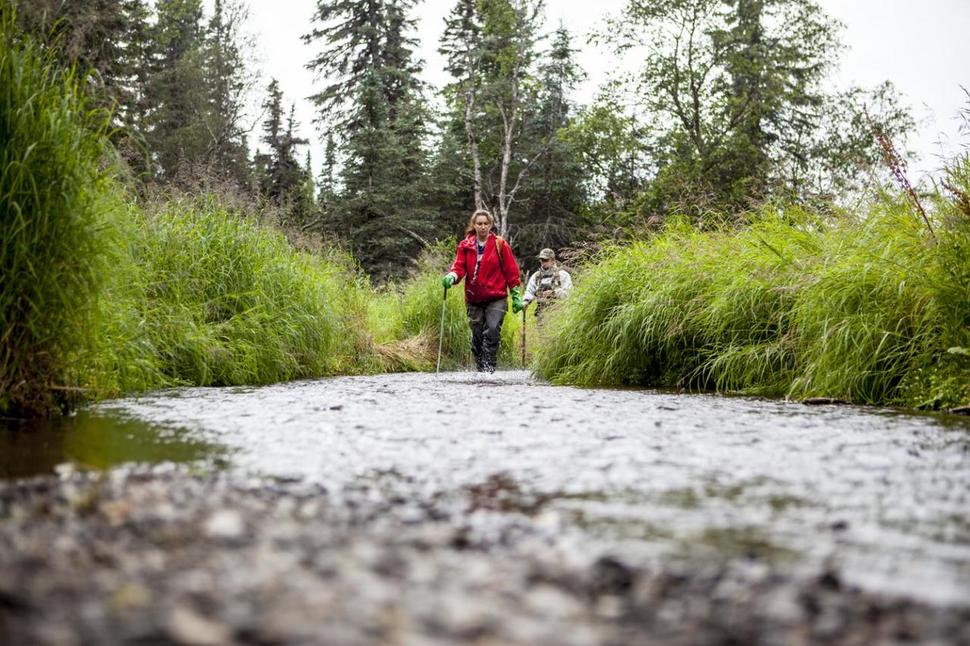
(499, 241)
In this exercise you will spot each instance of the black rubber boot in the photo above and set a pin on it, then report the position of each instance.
(488, 359)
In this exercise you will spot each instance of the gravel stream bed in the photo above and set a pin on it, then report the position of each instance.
(159, 555)
(415, 509)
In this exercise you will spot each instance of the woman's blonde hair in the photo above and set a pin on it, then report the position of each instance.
(471, 221)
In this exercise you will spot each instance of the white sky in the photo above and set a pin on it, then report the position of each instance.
(920, 45)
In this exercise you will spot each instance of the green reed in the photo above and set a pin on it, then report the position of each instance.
(56, 207)
(225, 301)
(869, 309)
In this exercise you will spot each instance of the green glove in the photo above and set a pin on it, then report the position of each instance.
(448, 280)
(516, 293)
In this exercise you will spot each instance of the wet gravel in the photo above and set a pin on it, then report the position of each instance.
(164, 556)
(414, 509)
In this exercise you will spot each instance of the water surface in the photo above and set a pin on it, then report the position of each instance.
(882, 496)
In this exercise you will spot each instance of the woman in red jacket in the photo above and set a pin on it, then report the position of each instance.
(486, 263)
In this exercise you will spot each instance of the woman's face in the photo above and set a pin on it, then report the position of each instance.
(482, 226)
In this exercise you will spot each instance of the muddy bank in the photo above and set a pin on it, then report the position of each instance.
(159, 555)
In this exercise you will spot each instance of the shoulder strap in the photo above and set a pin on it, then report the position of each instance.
(499, 241)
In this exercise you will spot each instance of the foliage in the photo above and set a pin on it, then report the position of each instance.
(176, 80)
(865, 309)
(374, 106)
(92, 35)
(553, 197)
(735, 90)
(226, 302)
(614, 148)
(56, 207)
(195, 89)
(280, 178)
(226, 85)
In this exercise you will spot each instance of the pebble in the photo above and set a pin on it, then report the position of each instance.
(242, 564)
(225, 524)
(186, 626)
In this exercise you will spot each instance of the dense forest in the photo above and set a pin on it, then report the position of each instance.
(732, 222)
(728, 110)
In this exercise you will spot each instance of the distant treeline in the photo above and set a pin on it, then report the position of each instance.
(726, 111)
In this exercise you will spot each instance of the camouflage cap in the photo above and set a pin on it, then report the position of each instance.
(547, 253)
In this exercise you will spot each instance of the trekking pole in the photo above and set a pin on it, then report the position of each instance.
(523, 332)
(441, 332)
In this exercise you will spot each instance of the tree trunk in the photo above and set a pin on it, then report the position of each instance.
(473, 145)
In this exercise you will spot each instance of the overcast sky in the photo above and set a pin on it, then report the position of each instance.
(920, 45)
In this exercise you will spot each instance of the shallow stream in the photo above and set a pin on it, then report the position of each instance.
(881, 496)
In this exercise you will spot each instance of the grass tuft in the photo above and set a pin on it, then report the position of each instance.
(56, 208)
(870, 309)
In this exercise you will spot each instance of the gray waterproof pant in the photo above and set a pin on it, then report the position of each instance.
(486, 323)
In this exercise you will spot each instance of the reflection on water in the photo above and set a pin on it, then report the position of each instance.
(98, 441)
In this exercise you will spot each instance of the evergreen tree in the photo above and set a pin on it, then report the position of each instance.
(88, 34)
(374, 107)
(194, 94)
(109, 38)
(134, 108)
(176, 92)
(227, 82)
(283, 180)
(327, 180)
(553, 196)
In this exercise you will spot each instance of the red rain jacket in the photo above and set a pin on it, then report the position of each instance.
(493, 277)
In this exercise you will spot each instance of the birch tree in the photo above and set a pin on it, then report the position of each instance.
(491, 50)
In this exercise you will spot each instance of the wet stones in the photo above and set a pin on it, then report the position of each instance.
(824, 401)
(164, 556)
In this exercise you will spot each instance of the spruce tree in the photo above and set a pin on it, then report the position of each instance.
(110, 39)
(374, 108)
(134, 106)
(227, 82)
(283, 180)
(176, 92)
(88, 34)
(553, 195)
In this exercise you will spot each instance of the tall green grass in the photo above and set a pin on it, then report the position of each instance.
(209, 297)
(869, 309)
(56, 207)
